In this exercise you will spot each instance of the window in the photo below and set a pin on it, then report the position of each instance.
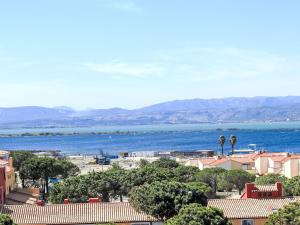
(140, 223)
(247, 222)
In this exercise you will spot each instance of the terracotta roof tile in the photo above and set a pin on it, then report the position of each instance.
(250, 208)
(75, 213)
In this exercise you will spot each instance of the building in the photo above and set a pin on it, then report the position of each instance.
(6, 162)
(279, 163)
(120, 213)
(244, 162)
(263, 191)
(250, 211)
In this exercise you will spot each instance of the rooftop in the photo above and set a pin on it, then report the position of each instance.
(80, 213)
(250, 208)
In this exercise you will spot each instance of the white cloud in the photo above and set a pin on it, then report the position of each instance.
(125, 69)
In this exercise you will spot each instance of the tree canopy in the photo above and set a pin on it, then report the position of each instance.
(195, 214)
(271, 178)
(288, 215)
(5, 220)
(210, 176)
(20, 157)
(45, 167)
(292, 186)
(164, 199)
(238, 178)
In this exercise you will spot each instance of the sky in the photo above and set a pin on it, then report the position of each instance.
(134, 53)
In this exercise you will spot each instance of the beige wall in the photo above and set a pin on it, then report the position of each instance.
(10, 178)
(256, 221)
(261, 165)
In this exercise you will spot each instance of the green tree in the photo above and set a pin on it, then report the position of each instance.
(288, 215)
(165, 163)
(164, 199)
(195, 214)
(292, 186)
(233, 141)
(271, 178)
(210, 176)
(149, 174)
(45, 168)
(238, 178)
(105, 185)
(19, 157)
(221, 142)
(185, 173)
(5, 220)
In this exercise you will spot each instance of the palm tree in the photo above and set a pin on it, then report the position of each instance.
(222, 141)
(233, 141)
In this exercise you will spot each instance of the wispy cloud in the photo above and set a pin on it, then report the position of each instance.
(205, 64)
(126, 69)
(122, 5)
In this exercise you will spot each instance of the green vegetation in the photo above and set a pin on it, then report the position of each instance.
(237, 179)
(195, 214)
(233, 141)
(292, 186)
(34, 168)
(221, 142)
(210, 176)
(5, 220)
(288, 215)
(164, 199)
(270, 179)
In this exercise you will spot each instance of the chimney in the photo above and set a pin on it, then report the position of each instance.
(249, 187)
(66, 201)
(278, 185)
(93, 200)
(40, 203)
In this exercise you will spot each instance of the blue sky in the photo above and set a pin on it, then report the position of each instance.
(133, 53)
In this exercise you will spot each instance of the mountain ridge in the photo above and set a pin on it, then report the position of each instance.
(234, 109)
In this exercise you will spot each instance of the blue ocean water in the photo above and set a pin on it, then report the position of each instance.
(278, 137)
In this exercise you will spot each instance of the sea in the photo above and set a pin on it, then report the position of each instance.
(275, 137)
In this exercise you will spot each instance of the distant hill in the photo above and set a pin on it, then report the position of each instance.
(254, 109)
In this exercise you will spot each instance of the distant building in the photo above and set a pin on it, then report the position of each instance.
(279, 163)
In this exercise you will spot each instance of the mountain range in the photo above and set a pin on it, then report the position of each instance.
(223, 110)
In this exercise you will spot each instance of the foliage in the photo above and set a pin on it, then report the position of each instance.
(288, 215)
(233, 141)
(210, 176)
(221, 142)
(149, 174)
(238, 178)
(45, 167)
(165, 163)
(195, 214)
(271, 178)
(105, 185)
(164, 199)
(143, 162)
(185, 173)
(19, 157)
(5, 220)
(292, 186)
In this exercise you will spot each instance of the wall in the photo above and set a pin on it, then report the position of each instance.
(261, 165)
(10, 176)
(256, 221)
